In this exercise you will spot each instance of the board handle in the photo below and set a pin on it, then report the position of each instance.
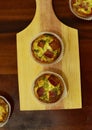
(44, 9)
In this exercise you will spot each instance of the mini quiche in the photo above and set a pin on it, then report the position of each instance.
(48, 88)
(4, 111)
(46, 48)
(83, 8)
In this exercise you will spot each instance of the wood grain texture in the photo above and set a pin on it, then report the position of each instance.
(69, 67)
(8, 59)
(43, 120)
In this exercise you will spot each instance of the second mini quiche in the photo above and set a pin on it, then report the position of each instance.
(49, 87)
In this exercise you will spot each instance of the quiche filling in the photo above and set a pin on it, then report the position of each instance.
(48, 88)
(3, 110)
(46, 48)
(82, 7)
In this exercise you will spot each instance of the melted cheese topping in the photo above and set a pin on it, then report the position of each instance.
(3, 110)
(48, 87)
(84, 7)
(39, 52)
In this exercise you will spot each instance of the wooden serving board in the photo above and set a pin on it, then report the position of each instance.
(45, 20)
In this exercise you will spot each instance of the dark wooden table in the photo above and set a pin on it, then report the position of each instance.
(15, 15)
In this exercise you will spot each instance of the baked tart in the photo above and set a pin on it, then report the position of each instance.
(47, 48)
(49, 87)
(4, 111)
(82, 8)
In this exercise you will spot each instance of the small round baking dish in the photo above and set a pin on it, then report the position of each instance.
(79, 14)
(49, 88)
(47, 48)
(5, 111)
